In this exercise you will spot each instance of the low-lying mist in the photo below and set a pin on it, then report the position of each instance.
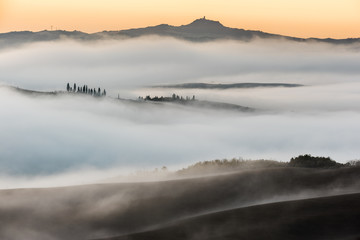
(133, 63)
(329, 72)
(46, 136)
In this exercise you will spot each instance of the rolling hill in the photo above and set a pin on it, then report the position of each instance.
(258, 203)
(335, 217)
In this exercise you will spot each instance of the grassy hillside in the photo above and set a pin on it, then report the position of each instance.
(335, 217)
(105, 210)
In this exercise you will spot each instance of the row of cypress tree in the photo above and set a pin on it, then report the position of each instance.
(86, 90)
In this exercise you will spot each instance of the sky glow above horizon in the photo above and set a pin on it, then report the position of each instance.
(335, 19)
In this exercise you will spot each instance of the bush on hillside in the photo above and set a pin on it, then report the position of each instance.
(353, 163)
(308, 161)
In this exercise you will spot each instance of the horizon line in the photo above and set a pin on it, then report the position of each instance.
(142, 27)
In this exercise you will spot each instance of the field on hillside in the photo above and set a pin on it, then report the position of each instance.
(291, 203)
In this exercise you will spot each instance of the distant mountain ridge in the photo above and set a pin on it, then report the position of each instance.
(200, 30)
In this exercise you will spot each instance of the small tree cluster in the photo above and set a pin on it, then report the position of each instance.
(173, 98)
(85, 90)
(308, 161)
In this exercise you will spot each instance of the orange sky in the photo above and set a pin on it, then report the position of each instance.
(305, 18)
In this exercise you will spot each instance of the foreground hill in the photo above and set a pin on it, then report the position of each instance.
(199, 30)
(336, 217)
(122, 209)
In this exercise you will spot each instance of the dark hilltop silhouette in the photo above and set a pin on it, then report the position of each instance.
(200, 30)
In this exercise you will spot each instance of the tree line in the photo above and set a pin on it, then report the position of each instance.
(173, 98)
(301, 161)
(86, 90)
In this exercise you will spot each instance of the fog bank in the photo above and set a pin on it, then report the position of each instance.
(133, 63)
(46, 135)
(41, 136)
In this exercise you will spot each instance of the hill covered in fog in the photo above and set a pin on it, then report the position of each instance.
(228, 86)
(161, 102)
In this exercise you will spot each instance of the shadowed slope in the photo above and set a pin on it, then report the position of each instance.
(336, 217)
(103, 210)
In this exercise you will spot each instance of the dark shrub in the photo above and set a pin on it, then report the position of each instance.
(309, 161)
